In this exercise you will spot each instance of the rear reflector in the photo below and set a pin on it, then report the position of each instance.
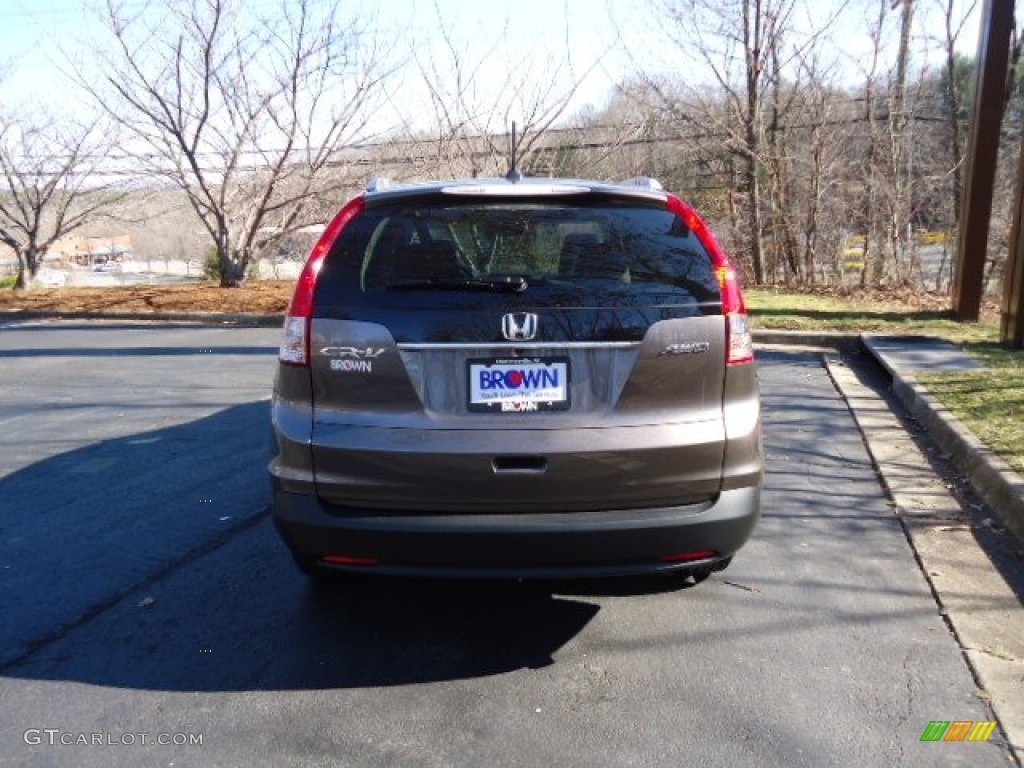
(686, 557)
(349, 560)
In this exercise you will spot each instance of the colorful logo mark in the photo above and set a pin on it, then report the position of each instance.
(958, 730)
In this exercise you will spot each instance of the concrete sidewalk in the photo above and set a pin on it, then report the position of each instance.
(904, 357)
(971, 564)
(979, 602)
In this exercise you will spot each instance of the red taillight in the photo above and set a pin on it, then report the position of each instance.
(295, 343)
(734, 307)
(740, 340)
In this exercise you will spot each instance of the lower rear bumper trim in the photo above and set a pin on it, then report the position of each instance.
(606, 543)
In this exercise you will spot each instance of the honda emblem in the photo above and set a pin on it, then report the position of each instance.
(519, 326)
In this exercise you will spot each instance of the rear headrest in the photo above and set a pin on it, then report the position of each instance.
(422, 261)
(573, 247)
(584, 256)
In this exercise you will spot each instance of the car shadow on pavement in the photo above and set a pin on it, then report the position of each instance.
(390, 632)
(148, 561)
(243, 618)
(80, 529)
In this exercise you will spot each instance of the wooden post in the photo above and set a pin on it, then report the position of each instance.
(1012, 329)
(972, 244)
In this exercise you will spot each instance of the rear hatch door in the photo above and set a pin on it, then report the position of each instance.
(564, 353)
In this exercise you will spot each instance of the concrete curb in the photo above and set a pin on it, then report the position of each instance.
(993, 479)
(830, 339)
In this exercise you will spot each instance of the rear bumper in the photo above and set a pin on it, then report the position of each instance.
(534, 545)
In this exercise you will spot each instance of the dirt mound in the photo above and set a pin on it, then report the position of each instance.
(269, 297)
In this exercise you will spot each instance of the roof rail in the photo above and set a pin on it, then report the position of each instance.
(644, 182)
(379, 183)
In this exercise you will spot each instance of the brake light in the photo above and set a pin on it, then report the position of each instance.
(295, 339)
(740, 349)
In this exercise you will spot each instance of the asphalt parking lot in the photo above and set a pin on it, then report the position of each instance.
(144, 591)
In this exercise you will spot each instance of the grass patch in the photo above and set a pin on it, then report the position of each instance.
(7, 283)
(990, 403)
(927, 316)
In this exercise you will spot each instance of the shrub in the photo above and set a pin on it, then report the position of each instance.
(212, 268)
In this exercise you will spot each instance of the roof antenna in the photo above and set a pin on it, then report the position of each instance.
(513, 174)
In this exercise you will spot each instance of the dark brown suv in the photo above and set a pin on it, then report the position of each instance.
(527, 378)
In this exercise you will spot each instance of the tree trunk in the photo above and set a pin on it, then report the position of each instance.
(752, 30)
(233, 268)
(753, 186)
(21, 283)
(956, 149)
(900, 207)
(229, 277)
(32, 257)
(813, 195)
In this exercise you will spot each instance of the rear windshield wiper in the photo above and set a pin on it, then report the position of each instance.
(510, 283)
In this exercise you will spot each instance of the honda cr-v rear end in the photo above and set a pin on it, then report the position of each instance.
(531, 378)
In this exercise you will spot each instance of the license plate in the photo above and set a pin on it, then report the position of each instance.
(520, 385)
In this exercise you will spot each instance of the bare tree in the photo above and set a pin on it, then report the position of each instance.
(886, 169)
(632, 136)
(953, 28)
(754, 54)
(898, 222)
(51, 185)
(248, 115)
(957, 69)
(779, 158)
(473, 103)
(872, 259)
(733, 40)
(803, 164)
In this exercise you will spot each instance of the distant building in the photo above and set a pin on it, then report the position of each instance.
(91, 252)
(8, 261)
(76, 252)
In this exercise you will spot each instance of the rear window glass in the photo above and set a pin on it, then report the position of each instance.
(558, 254)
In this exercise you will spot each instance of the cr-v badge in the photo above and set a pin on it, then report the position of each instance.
(519, 326)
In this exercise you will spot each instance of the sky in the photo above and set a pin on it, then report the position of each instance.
(607, 39)
(29, 30)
